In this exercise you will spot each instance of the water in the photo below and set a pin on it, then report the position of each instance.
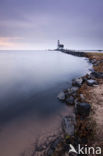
(29, 84)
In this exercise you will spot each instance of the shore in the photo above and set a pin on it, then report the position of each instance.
(94, 96)
(86, 96)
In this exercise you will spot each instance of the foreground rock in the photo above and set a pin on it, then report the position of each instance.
(72, 90)
(77, 82)
(70, 100)
(53, 146)
(83, 109)
(61, 96)
(91, 82)
(68, 125)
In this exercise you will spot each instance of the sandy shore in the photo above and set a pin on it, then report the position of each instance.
(94, 96)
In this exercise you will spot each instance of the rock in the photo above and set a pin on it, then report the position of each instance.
(98, 62)
(55, 143)
(97, 74)
(83, 109)
(77, 82)
(91, 76)
(61, 96)
(85, 79)
(50, 152)
(93, 61)
(72, 91)
(69, 91)
(53, 146)
(91, 82)
(76, 101)
(74, 94)
(68, 125)
(91, 70)
(70, 100)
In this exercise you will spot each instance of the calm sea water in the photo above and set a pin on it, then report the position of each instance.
(30, 80)
(29, 84)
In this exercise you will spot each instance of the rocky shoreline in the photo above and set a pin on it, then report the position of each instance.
(80, 128)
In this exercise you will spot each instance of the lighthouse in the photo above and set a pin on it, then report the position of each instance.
(59, 45)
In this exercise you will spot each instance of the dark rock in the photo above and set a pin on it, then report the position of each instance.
(74, 89)
(97, 74)
(70, 100)
(68, 125)
(50, 152)
(91, 82)
(66, 147)
(93, 61)
(83, 109)
(66, 95)
(85, 79)
(91, 70)
(53, 146)
(74, 94)
(61, 96)
(77, 82)
(55, 143)
(91, 76)
(98, 62)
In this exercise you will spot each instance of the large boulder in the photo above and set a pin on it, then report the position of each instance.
(61, 96)
(70, 100)
(83, 109)
(68, 125)
(91, 82)
(77, 82)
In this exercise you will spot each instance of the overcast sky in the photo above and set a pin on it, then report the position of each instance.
(38, 24)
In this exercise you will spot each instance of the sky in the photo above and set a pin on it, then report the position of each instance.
(38, 24)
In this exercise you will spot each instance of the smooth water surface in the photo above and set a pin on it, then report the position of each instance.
(29, 84)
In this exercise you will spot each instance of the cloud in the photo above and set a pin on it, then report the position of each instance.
(40, 23)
